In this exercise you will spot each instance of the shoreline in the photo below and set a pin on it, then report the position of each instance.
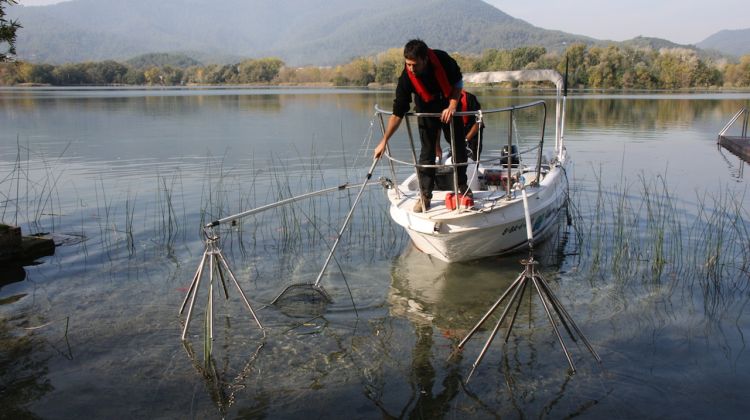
(371, 86)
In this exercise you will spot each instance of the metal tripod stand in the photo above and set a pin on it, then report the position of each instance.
(217, 264)
(528, 278)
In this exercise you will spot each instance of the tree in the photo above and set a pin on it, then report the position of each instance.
(682, 68)
(134, 77)
(389, 65)
(359, 72)
(70, 75)
(41, 74)
(7, 32)
(386, 72)
(604, 67)
(258, 71)
(521, 58)
(578, 71)
(105, 72)
(738, 74)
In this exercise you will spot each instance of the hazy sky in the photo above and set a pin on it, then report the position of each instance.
(680, 21)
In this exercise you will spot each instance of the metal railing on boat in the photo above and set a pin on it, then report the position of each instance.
(480, 116)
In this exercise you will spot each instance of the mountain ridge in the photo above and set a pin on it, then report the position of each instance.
(300, 32)
(735, 42)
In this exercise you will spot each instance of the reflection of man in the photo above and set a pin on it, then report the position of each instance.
(469, 102)
(435, 79)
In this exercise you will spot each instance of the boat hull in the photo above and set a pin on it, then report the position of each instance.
(493, 228)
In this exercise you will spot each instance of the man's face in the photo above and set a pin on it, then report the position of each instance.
(416, 66)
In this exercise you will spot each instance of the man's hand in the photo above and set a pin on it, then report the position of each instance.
(379, 149)
(447, 114)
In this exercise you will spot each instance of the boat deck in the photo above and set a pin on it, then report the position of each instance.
(483, 201)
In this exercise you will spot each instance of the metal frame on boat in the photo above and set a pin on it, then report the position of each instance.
(494, 223)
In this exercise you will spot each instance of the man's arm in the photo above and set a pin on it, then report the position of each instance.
(393, 124)
(452, 102)
(472, 132)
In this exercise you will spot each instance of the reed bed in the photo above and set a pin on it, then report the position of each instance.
(633, 234)
(638, 235)
(28, 192)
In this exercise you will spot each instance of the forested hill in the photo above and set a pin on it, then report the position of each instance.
(300, 32)
(735, 42)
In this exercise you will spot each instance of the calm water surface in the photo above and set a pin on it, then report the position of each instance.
(654, 268)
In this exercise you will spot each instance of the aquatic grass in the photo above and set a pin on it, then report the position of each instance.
(648, 240)
(213, 197)
(103, 220)
(31, 191)
(168, 225)
(129, 217)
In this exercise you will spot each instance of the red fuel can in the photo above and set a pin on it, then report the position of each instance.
(450, 201)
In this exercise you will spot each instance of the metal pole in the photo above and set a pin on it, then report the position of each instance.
(554, 326)
(192, 300)
(197, 275)
(455, 166)
(509, 159)
(346, 223)
(541, 146)
(279, 203)
(518, 287)
(211, 297)
(390, 162)
(416, 162)
(557, 303)
(490, 311)
(518, 306)
(242, 294)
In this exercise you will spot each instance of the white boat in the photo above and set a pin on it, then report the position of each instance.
(494, 223)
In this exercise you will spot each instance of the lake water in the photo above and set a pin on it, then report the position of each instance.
(654, 268)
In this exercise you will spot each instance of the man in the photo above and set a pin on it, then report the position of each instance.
(435, 80)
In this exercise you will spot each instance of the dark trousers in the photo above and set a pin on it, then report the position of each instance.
(429, 135)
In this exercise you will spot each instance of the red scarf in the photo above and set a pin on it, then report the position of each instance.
(440, 75)
(464, 107)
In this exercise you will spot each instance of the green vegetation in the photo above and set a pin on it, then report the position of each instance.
(146, 61)
(7, 32)
(611, 67)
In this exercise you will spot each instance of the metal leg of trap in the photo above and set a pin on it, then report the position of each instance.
(217, 264)
(528, 278)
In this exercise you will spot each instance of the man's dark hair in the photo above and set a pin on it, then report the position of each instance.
(416, 48)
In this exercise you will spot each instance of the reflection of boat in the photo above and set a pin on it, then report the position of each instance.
(451, 297)
(492, 222)
(426, 290)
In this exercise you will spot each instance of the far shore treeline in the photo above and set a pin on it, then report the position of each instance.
(593, 67)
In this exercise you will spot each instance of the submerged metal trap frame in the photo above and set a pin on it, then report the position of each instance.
(218, 268)
(529, 275)
(217, 264)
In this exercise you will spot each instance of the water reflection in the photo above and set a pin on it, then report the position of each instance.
(656, 276)
(23, 370)
(224, 380)
(453, 297)
(735, 162)
(442, 302)
(11, 273)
